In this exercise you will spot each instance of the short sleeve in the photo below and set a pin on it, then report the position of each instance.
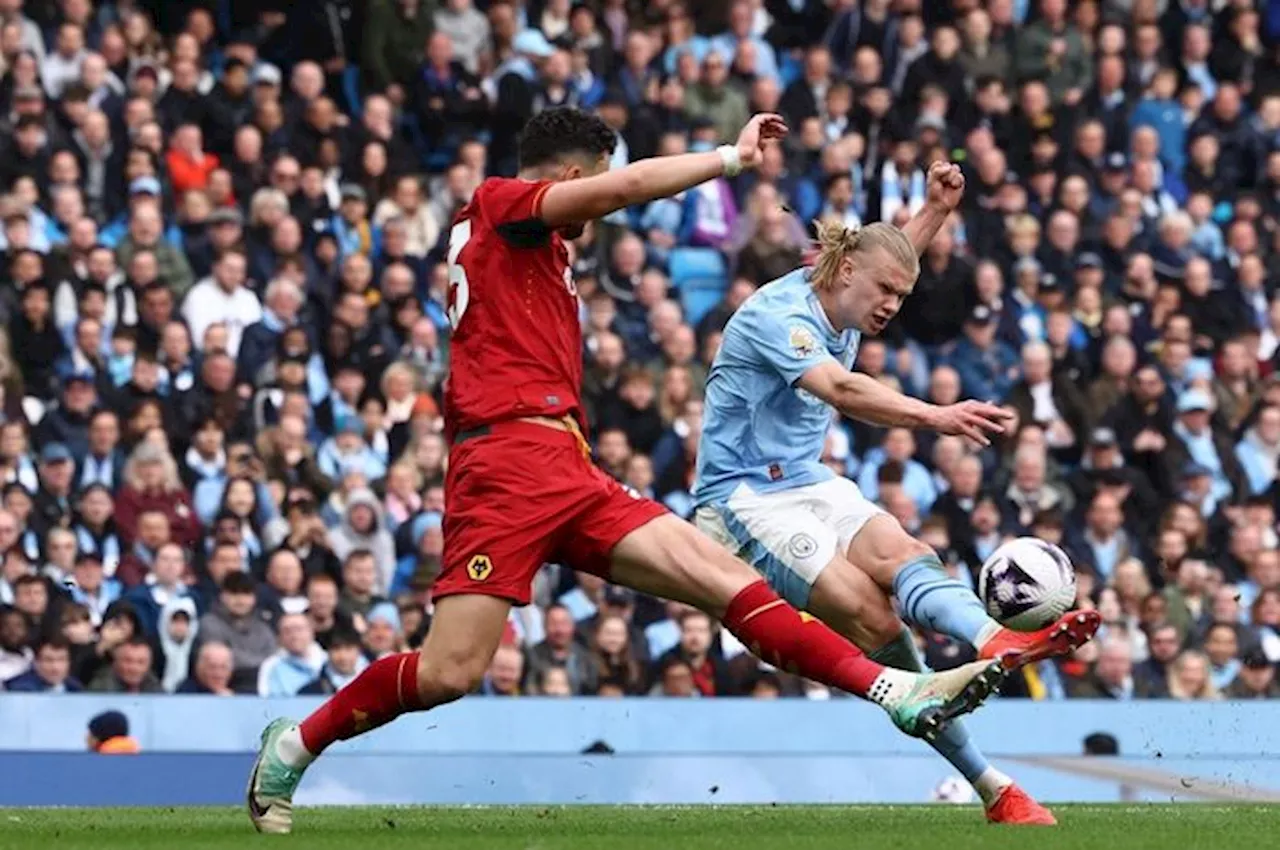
(791, 344)
(514, 207)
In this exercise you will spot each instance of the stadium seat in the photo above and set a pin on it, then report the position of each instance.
(701, 276)
(698, 303)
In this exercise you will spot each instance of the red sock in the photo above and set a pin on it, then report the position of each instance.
(386, 689)
(777, 633)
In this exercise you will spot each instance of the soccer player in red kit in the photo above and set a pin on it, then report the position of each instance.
(521, 489)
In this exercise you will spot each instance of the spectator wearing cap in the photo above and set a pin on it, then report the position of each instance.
(1256, 678)
(90, 587)
(1203, 446)
(350, 225)
(383, 634)
(223, 298)
(109, 735)
(512, 89)
(50, 671)
(1103, 468)
(986, 365)
(423, 537)
(52, 504)
(68, 421)
(141, 191)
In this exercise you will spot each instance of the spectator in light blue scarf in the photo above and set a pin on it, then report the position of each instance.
(298, 661)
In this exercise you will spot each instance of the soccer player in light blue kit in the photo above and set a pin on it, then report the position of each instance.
(762, 490)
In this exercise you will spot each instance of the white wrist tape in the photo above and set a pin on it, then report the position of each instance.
(730, 159)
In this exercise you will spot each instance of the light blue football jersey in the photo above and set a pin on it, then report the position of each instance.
(758, 428)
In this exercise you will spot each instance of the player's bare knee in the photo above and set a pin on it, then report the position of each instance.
(448, 679)
(849, 601)
(882, 548)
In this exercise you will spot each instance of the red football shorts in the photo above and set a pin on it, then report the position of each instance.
(524, 495)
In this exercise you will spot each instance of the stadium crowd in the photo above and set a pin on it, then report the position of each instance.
(225, 298)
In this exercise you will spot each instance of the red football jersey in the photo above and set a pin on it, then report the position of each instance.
(516, 348)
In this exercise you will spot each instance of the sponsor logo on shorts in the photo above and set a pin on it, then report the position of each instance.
(479, 568)
(802, 342)
(802, 545)
(775, 472)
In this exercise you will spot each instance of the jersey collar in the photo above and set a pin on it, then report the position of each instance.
(815, 307)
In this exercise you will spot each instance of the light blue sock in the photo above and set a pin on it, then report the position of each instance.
(954, 743)
(933, 600)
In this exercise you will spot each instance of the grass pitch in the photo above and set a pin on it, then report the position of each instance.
(1191, 827)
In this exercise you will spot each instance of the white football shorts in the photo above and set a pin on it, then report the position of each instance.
(789, 535)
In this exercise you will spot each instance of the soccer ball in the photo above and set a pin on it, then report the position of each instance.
(1027, 583)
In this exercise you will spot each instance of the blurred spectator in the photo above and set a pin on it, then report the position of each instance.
(211, 672)
(561, 649)
(1112, 677)
(130, 671)
(505, 674)
(696, 652)
(235, 620)
(614, 657)
(15, 653)
(343, 663)
(50, 670)
(1256, 679)
(295, 664)
(1190, 678)
(362, 529)
(109, 734)
(177, 632)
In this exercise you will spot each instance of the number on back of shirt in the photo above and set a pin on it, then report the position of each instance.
(459, 288)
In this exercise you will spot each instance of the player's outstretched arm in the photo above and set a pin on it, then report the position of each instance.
(579, 201)
(944, 192)
(862, 397)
